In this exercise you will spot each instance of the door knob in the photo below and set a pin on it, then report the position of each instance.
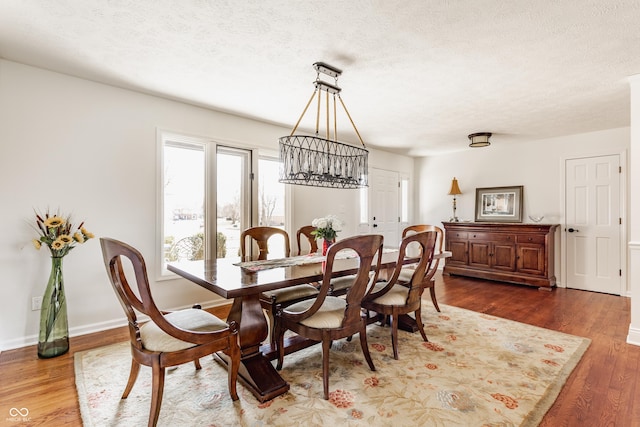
(375, 225)
(571, 230)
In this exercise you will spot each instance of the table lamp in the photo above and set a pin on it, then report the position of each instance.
(455, 190)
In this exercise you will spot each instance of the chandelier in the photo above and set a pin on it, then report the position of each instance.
(323, 162)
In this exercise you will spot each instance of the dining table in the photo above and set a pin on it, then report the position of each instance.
(243, 282)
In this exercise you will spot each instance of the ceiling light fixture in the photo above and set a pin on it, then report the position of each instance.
(480, 139)
(323, 162)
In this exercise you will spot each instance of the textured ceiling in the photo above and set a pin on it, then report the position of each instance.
(419, 76)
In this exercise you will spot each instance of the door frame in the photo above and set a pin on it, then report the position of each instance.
(624, 291)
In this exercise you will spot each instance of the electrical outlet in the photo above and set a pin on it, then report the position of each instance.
(36, 303)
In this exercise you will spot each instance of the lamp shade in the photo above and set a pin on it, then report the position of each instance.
(455, 190)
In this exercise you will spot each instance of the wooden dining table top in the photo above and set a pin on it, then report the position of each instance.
(228, 280)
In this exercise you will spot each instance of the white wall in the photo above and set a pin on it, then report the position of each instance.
(90, 149)
(343, 203)
(537, 165)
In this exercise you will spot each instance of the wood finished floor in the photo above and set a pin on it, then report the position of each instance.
(603, 390)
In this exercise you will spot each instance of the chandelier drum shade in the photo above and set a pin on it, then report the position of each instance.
(323, 162)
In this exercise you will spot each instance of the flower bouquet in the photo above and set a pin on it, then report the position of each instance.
(326, 228)
(57, 233)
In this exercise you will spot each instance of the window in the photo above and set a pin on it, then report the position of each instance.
(207, 197)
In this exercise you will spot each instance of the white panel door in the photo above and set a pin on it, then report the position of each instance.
(593, 224)
(384, 212)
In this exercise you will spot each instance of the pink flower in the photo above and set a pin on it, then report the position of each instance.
(378, 347)
(508, 401)
(372, 381)
(433, 346)
(554, 347)
(341, 398)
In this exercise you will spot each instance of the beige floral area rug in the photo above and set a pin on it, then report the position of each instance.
(476, 370)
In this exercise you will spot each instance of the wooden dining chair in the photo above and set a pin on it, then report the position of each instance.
(261, 236)
(285, 296)
(395, 297)
(327, 318)
(430, 281)
(168, 338)
(306, 232)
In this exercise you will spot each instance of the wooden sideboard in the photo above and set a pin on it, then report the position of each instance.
(515, 253)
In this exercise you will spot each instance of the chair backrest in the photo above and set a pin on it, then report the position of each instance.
(418, 228)
(113, 253)
(306, 231)
(366, 246)
(261, 236)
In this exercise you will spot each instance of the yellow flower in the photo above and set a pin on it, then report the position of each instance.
(86, 233)
(37, 244)
(57, 244)
(65, 238)
(54, 221)
(78, 237)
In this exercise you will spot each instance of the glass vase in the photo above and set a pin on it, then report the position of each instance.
(325, 245)
(53, 339)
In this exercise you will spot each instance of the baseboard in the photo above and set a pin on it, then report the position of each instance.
(96, 327)
(634, 336)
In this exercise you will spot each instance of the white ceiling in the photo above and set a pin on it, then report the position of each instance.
(419, 76)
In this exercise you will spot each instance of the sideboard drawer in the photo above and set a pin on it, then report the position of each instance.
(458, 235)
(492, 237)
(480, 236)
(524, 238)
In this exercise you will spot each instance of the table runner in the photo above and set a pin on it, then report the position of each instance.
(297, 260)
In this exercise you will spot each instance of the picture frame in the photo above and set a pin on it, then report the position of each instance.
(499, 204)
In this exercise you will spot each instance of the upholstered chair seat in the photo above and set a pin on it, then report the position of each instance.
(396, 296)
(329, 315)
(155, 339)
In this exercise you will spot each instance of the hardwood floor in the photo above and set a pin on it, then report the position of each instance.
(601, 391)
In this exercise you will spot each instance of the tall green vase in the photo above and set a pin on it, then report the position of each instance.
(54, 326)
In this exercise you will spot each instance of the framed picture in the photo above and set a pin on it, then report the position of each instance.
(499, 204)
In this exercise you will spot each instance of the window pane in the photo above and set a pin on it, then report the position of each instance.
(232, 165)
(271, 194)
(271, 202)
(184, 186)
(364, 205)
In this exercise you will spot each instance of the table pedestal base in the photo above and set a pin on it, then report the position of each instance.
(259, 376)
(256, 371)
